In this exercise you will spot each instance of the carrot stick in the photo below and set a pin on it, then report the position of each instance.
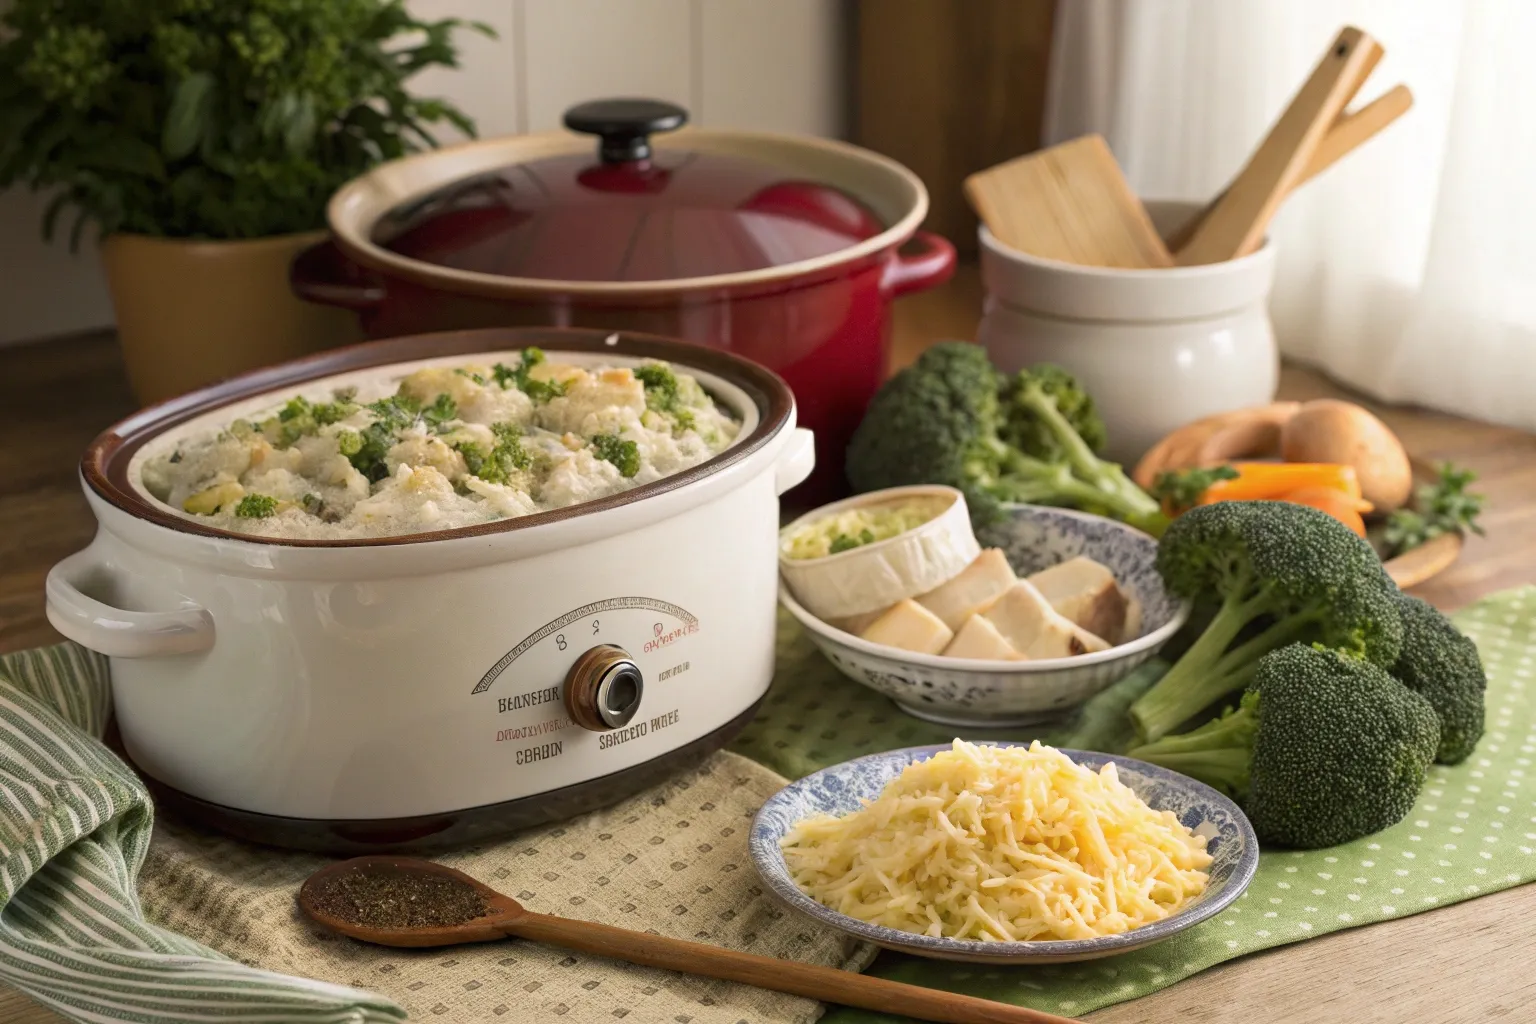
(1259, 481)
(1332, 501)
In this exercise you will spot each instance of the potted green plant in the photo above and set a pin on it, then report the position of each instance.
(202, 138)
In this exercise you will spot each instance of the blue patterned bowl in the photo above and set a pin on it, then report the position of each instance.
(840, 788)
(1000, 694)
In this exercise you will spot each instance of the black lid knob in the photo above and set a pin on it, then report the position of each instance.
(625, 125)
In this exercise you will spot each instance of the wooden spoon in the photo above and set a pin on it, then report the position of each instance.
(1237, 222)
(1348, 133)
(505, 917)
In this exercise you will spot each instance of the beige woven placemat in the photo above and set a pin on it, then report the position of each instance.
(671, 860)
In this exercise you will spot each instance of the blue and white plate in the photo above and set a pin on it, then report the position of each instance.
(841, 788)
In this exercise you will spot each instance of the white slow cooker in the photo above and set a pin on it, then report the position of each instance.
(436, 688)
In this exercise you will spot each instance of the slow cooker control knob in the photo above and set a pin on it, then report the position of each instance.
(603, 689)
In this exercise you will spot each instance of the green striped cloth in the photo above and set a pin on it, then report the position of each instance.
(75, 825)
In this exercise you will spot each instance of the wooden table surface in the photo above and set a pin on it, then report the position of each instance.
(1469, 962)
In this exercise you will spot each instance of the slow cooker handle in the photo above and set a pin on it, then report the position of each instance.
(932, 264)
(118, 632)
(796, 460)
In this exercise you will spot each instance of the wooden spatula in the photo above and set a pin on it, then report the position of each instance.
(1236, 226)
(1348, 133)
(1070, 203)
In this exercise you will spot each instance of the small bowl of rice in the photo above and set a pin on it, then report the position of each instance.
(1003, 853)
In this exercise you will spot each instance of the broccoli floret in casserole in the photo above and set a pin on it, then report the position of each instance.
(1442, 665)
(301, 418)
(1323, 748)
(675, 400)
(624, 455)
(661, 387)
(256, 506)
(442, 409)
(504, 461)
(1282, 573)
(951, 418)
(520, 377)
(393, 415)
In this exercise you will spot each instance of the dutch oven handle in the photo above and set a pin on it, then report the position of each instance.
(323, 273)
(118, 632)
(932, 264)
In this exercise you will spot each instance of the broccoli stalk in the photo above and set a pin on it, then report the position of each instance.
(951, 418)
(1323, 748)
(1101, 723)
(1283, 573)
(1111, 490)
(1218, 753)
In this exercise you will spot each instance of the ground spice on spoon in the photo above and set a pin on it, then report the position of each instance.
(381, 897)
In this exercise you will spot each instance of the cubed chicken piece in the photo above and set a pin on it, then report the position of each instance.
(911, 627)
(563, 372)
(1085, 592)
(973, 591)
(427, 383)
(418, 450)
(604, 404)
(1037, 630)
(207, 502)
(857, 624)
(979, 639)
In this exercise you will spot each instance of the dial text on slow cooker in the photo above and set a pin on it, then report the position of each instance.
(634, 732)
(663, 636)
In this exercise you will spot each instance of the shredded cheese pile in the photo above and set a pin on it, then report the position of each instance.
(1001, 844)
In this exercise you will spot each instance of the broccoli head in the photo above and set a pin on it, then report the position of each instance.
(1323, 748)
(951, 418)
(1025, 429)
(1282, 572)
(1442, 665)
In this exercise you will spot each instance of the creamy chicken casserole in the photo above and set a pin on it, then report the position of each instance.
(448, 447)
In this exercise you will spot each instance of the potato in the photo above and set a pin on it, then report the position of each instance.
(1329, 430)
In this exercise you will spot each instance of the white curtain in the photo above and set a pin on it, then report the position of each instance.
(1408, 269)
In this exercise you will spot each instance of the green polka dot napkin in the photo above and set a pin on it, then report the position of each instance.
(1472, 832)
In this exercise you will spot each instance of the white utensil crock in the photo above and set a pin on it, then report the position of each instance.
(1155, 348)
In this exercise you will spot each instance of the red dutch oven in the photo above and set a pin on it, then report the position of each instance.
(783, 249)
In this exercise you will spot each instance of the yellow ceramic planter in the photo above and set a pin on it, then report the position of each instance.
(190, 313)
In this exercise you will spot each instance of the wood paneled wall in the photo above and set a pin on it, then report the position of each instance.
(949, 87)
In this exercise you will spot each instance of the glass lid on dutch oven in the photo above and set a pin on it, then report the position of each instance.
(627, 211)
